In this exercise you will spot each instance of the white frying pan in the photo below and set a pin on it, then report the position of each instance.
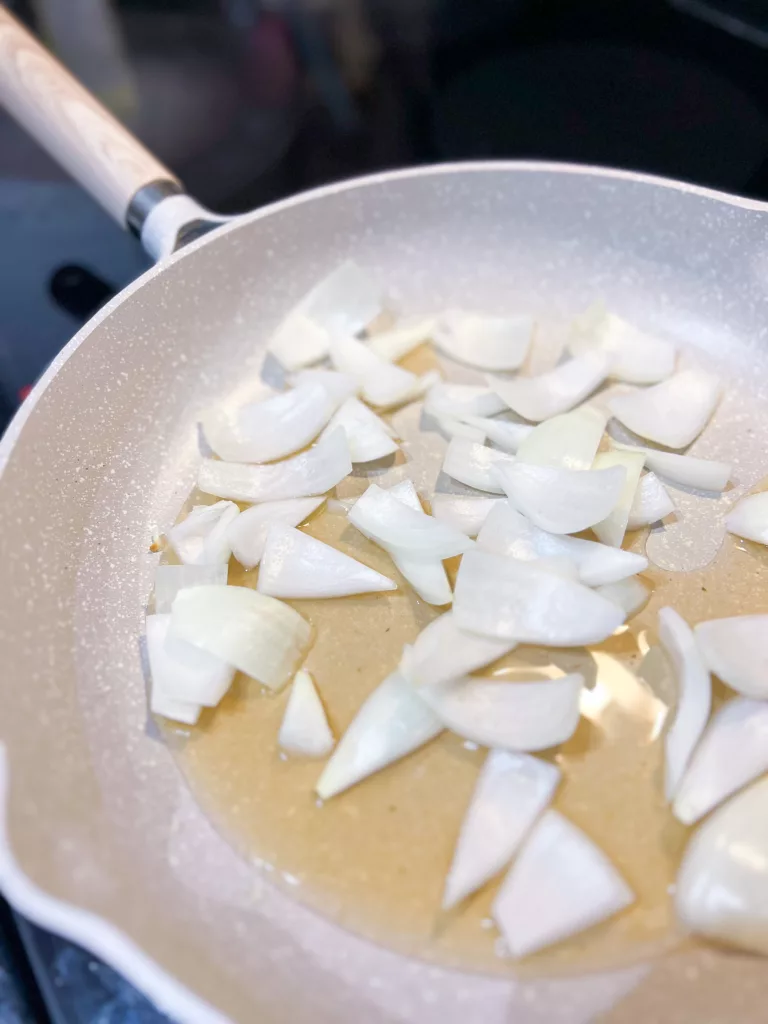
(100, 838)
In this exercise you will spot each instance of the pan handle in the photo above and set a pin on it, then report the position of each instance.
(81, 135)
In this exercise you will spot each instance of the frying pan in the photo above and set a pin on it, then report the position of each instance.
(100, 838)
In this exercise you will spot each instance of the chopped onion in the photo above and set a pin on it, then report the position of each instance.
(299, 341)
(732, 753)
(311, 472)
(672, 413)
(381, 517)
(427, 576)
(295, 565)
(260, 636)
(722, 886)
(507, 532)
(202, 538)
(749, 518)
(248, 533)
(525, 716)
(182, 672)
(368, 436)
(458, 428)
(473, 464)
(693, 701)
(700, 474)
(176, 710)
(442, 651)
(392, 345)
(393, 722)
(170, 579)
(636, 357)
(466, 514)
(629, 594)
(339, 386)
(651, 503)
(305, 730)
(504, 433)
(570, 440)
(512, 791)
(560, 884)
(561, 500)
(736, 650)
(460, 400)
(272, 429)
(611, 530)
(381, 383)
(486, 342)
(502, 597)
(538, 398)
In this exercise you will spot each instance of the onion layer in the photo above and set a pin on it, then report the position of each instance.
(569, 441)
(474, 464)
(672, 413)
(442, 651)
(650, 504)
(736, 650)
(466, 514)
(749, 518)
(611, 530)
(203, 537)
(305, 730)
(539, 398)
(248, 533)
(381, 517)
(486, 342)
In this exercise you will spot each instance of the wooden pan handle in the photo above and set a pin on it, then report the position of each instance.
(73, 126)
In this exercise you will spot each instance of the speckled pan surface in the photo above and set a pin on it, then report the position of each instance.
(98, 817)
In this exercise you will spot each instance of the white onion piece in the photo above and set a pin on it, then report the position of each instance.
(202, 538)
(304, 729)
(466, 514)
(460, 400)
(442, 651)
(672, 413)
(486, 342)
(474, 464)
(175, 710)
(694, 697)
(538, 398)
(182, 672)
(295, 565)
(248, 533)
(381, 383)
(368, 436)
(504, 433)
(170, 579)
(507, 532)
(260, 636)
(523, 716)
(511, 792)
(749, 518)
(736, 650)
(629, 594)
(732, 753)
(298, 341)
(310, 473)
(650, 504)
(560, 884)
(269, 430)
(570, 440)
(458, 428)
(393, 722)
(396, 343)
(339, 386)
(635, 356)
(381, 517)
(427, 576)
(502, 597)
(611, 530)
(561, 500)
(722, 886)
(685, 470)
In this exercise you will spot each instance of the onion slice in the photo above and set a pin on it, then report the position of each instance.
(749, 518)
(523, 716)
(427, 576)
(183, 673)
(672, 413)
(202, 537)
(396, 343)
(305, 730)
(339, 386)
(651, 503)
(732, 753)
(507, 532)
(635, 356)
(685, 470)
(248, 533)
(539, 398)
(629, 594)
(170, 579)
(512, 600)
(560, 884)
(459, 428)
(561, 500)
(368, 436)
(460, 400)
(466, 514)
(393, 722)
(504, 433)
(694, 697)
(474, 464)
(736, 650)
(298, 341)
(295, 565)
(511, 792)
(570, 440)
(611, 530)
(381, 383)
(486, 342)
(381, 517)
(442, 651)
(310, 473)
(260, 636)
